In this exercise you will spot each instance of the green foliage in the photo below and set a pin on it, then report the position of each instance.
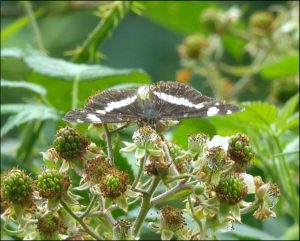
(241, 64)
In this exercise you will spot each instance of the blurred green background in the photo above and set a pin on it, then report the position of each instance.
(209, 45)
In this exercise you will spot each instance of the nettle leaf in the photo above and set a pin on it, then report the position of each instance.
(259, 114)
(57, 76)
(286, 114)
(22, 113)
(23, 84)
(286, 66)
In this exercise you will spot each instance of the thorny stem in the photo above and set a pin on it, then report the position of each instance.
(251, 207)
(80, 221)
(145, 206)
(37, 34)
(109, 145)
(173, 169)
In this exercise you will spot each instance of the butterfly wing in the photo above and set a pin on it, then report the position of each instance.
(174, 100)
(110, 106)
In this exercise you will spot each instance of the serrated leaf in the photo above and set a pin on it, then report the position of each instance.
(259, 114)
(286, 66)
(287, 112)
(57, 76)
(23, 84)
(22, 113)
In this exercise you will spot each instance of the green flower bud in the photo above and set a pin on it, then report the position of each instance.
(172, 219)
(96, 168)
(16, 186)
(193, 47)
(240, 150)
(261, 22)
(69, 143)
(52, 184)
(122, 230)
(231, 190)
(197, 142)
(114, 183)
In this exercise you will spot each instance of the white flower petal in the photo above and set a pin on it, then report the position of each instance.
(249, 181)
(221, 141)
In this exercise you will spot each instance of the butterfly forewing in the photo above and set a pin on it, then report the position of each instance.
(111, 106)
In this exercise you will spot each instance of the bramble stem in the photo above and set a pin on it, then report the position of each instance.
(194, 216)
(37, 34)
(109, 145)
(140, 171)
(90, 206)
(145, 206)
(180, 186)
(80, 221)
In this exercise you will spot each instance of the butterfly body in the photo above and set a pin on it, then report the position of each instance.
(150, 104)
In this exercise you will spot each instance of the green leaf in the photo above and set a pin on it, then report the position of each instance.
(287, 111)
(234, 45)
(53, 203)
(286, 66)
(22, 113)
(259, 114)
(122, 203)
(57, 76)
(180, 16)
(192, 126)
(166, 234)
(179, 195)
(23, 84)
(224, 212)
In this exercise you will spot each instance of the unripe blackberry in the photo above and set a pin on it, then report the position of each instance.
(172, 218)
(240, 150)
(122, 230)
(114, 183)
(231, 190)
(69, 143)
(49, 224)
(146, 137)
(197, 142)
(96, 168)
(216, 158)
(193, 47)
(261, 21)
(16, 186)
(52, 184)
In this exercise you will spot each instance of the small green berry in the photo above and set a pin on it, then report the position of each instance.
(16, 186)
(240, 150)
(69, 143)
(51, 183)
(231, 190)
(48, 224)
(114, 183)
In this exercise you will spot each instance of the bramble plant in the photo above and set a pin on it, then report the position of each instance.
(209, 178)
(222, 177)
